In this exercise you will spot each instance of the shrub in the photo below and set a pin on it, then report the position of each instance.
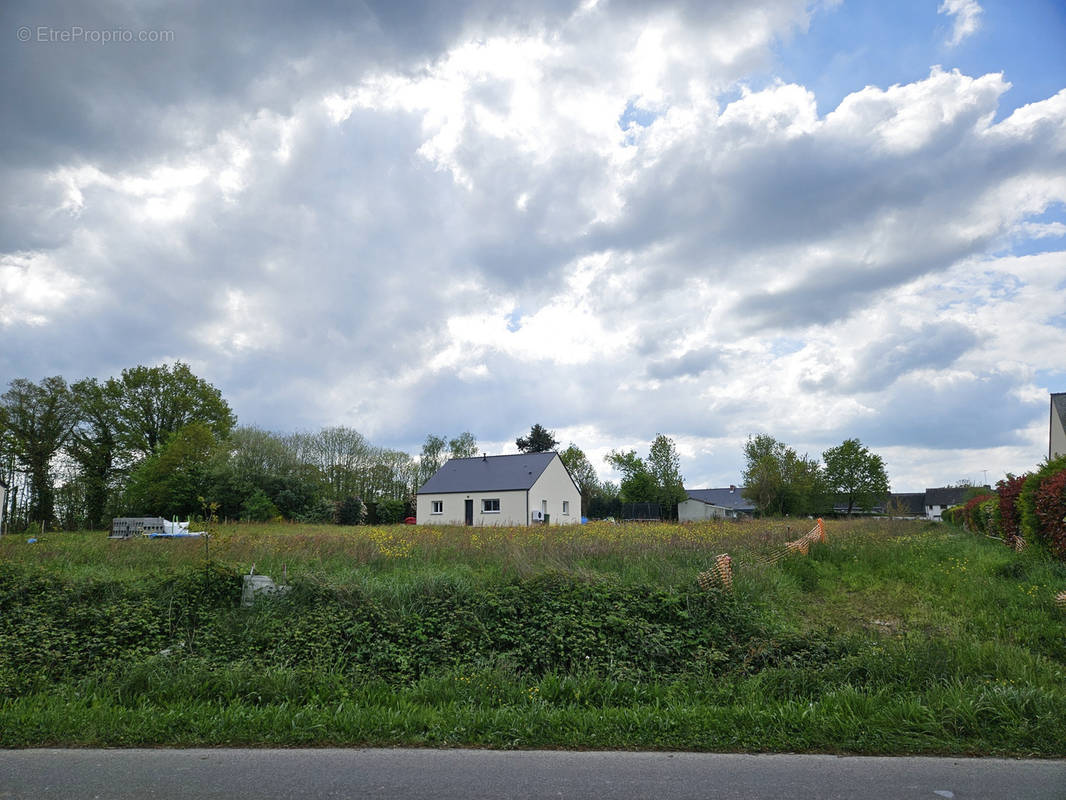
(389, 511)
(258, 508)
(974, 513)
(1050, 509)
(1029, 522)
(1008, 518)
(350, 511)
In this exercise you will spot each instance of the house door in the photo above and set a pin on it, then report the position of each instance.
(469, 512)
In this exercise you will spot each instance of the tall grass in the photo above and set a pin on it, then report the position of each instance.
(893, 637)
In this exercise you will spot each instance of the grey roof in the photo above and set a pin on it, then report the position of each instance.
(726, 498)
(912, 502)
(945, 495)
(488, 474)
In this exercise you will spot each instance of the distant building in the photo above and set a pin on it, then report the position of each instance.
(727, 503)
(500, 490)
(1057, 437)
(905, 504)
(939, 500)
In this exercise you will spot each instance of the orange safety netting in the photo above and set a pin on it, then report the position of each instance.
(722, 572)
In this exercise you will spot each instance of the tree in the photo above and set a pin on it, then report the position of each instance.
(38, 419)
(583, 473)
(855, 474)
(763, 477)
(94, 444)
(463, 446)
(155, 402)
(637, 484)
(432, 458)
(174, 481)
(664, 464)
(777, 480)
(540, 440)
(655, 480)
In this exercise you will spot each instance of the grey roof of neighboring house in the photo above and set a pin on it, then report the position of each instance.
(913, 502)
(726, 498)
(488, 474)
(945, 495)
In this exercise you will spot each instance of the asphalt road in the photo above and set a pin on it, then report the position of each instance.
(472, 774)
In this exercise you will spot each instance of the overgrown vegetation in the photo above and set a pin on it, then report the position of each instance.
(893, 637)
(1026, 509)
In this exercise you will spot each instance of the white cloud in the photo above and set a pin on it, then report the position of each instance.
(472, 237)
(967, 14)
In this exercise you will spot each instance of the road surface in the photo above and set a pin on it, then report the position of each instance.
(231, 774)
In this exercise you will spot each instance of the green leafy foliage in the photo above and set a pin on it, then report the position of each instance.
(1031, 523)
(656, 479)
(777, 480)
(258, 508)
(855, 474)
(893, 637)
(539, 440)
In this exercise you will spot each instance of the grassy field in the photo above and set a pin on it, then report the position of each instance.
(894, 637)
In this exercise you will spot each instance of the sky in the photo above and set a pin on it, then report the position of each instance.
(709, 219)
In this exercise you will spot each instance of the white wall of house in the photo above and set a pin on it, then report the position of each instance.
(553, 489)
(696, 510)
(554, 493)
(512, 508)
(934, 512)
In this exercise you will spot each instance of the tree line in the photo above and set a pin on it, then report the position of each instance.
(163, 441)
(780, 482)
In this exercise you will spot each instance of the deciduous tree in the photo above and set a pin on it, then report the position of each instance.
(855, 474)
(155, 402)
(38, 419)
(463, 446)
(583, 473)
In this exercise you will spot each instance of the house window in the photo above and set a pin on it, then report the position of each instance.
(490, 506)
(438, 506)
(566, 506)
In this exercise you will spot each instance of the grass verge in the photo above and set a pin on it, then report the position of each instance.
(892, 638)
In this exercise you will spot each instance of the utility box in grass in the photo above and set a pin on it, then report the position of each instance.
(258, 585)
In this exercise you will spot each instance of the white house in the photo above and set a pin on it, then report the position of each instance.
(1057, 443)
(500, 490)
(939, 500)
(714, 504)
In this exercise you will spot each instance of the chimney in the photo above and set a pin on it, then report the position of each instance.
(732, 488)
(484, 456)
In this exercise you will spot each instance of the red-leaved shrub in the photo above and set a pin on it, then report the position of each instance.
(1051, 512)
(1008, 490)
(972, 517)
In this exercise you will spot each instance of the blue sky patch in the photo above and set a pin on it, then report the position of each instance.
(865, 42)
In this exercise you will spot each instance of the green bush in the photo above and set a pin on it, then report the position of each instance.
(258, 508)
(1031, 528)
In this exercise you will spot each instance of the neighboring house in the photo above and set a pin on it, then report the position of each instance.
(500, 490)
(938, 500)
(727, 503)
(1057, 438)
(907, 505)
